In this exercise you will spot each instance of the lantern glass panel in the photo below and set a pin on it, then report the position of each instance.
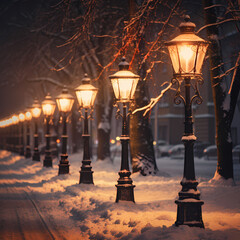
(64, 104)
(86, 98)
(187, 55)
(48, 109)
(36, 112)
(202, 49)
(124, 85)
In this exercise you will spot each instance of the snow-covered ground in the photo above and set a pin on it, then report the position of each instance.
(90, 211)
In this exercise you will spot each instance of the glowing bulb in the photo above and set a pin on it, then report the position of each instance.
(36, 112)
(21, 117)
(28, 115)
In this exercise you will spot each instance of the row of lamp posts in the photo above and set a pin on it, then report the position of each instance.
(187, 52)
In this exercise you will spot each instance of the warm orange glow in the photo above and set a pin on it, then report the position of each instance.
(15, 119)
(112, 141)
(48, 109)
(154, 143)
(64, 105)
(36, 112)
(86, 98)
(28, 115)
(21, 117)
(65, 101)
(86, 93)
(48, 106)
(187, 52)
(58, 140)
(124, 84)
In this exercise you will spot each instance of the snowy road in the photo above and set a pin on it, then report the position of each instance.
(37, 203)
(20, 217)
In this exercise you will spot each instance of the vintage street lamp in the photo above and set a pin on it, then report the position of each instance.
(21, 117)
(86, 94)
(48, 107)
(28, 117)
(124, 84)
(187, 52)
(36, 112)
(64, 103)
(15, 136)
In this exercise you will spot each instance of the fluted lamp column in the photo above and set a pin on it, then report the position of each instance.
(86, 95)
(36, 112)
(48, 108)
(124, 84)
(21, 117)
(187, 52)
(64, 102)
(28, 117)
(15, 134)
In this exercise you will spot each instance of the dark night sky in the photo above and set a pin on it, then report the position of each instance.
(17, 20)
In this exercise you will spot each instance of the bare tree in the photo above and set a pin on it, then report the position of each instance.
(224, 103)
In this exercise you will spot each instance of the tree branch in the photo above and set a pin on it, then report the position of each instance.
(153, 101)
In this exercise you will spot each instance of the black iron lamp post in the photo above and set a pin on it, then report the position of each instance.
(86, 95)
(28, 117)
(15, 134)
(21, 117)
(187, 52)
(64, 103)
(48, 108)
(124, 84)
(36, 112)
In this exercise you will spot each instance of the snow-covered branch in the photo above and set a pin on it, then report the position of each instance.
(153, 101)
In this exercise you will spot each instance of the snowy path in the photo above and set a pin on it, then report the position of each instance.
(20, 217)
(36, 203)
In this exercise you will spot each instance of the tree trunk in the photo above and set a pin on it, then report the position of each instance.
(104, 115)
(220, 97)
(141, 139)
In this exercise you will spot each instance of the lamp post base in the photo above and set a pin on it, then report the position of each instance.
(21, 152)
(36, 156)
(189, 212)
(28, 152)
(86, 173)
(47, 162)
(125, 187)
(63, 165)
(86, 177)
(63, 168)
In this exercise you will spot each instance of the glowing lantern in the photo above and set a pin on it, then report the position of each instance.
(36, 109)
(21, 117)
(124, 82)
(86, 93)
(28, 116)
(48, 106)
(65, 101)
(187, 51)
